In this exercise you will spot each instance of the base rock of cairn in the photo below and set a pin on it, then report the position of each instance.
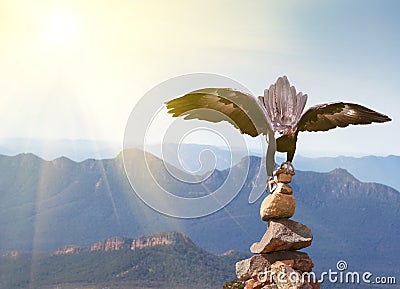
(277, 264)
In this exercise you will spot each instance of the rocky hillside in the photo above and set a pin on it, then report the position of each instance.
(124, 243)
(163, 260)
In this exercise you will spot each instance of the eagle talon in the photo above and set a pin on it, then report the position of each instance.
(271, 185)
(287, 168)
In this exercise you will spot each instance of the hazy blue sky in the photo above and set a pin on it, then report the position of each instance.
(75, 69)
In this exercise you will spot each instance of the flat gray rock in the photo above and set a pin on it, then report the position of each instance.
(283, 234)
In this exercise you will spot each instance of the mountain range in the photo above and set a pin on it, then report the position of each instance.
(45, 205)
(198, 158)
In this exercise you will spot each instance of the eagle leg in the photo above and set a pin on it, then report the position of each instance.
(270, 158)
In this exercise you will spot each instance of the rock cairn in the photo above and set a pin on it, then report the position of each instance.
(276, 263)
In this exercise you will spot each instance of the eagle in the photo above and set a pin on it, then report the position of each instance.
(278, 114)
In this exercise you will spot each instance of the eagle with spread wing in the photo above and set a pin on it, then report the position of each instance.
(277, 114)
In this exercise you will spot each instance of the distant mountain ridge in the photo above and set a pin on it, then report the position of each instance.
(50, 149)
(380, 169)
(198, 158)
(377, 169)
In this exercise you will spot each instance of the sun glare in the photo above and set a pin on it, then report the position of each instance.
(61, 27)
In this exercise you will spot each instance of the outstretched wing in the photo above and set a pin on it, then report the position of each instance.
(242, 110)
(324, 117)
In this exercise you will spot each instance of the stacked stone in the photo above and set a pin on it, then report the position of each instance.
(277, 264)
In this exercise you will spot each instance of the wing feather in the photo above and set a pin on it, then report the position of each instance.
(242, 110)
(324, 117)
